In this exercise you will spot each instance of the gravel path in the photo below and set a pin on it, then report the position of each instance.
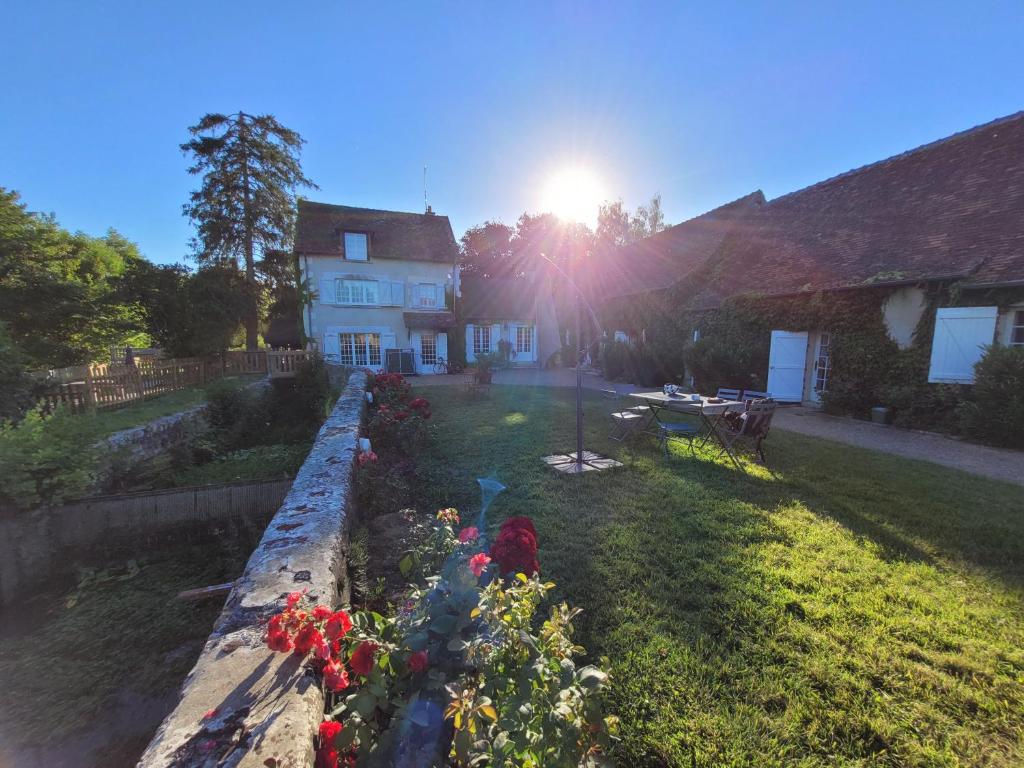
(996, 463)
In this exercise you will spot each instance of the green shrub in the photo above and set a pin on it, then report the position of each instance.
(995, 413)
(16, 388)
(47, 459)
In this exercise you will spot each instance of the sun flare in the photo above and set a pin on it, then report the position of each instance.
(573, 194)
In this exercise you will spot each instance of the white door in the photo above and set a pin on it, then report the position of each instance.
(786, 361)
(332, 347)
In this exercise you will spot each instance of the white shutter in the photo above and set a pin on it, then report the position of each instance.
(328, 291)
(470, 356)
(961, 333)
(398, 293)
(332, 346)
(495, 337)
(442, 345)
(388, 341)
(384, 292)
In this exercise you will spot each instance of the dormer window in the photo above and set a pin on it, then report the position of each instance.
(356, 246)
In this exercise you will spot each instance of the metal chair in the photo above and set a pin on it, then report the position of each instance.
(728, 394)
(751, 425)
(627, 421)
(749, 395)
(679, 431)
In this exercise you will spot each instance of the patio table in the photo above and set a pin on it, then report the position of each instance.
(710, 413)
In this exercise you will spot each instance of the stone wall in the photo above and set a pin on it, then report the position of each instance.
(265, 708)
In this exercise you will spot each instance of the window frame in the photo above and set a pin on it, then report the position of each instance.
(430, 336)
(419, 299)
(1016, 329)
(339, 284)
(479, 332)
(345, 249)
(358, 348)
(520, 348)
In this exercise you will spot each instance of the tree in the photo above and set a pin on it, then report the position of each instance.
(189, 314)
(246, 204)
(58, 290)
(486, 250)
(616, 227)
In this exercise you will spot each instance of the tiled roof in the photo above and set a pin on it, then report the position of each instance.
(663, 259)
(950, 209)
(393, 234)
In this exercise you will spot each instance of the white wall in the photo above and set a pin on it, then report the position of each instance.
(323, 316)
(902, 312)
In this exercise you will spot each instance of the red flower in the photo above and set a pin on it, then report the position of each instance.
(362, 659)
(321, 612)
(338, 625)
(520, 522)
(307, 638)
(478, 562)
(418, 403)
(293, 599)
(515, 549)
(419, 661)
(279, 641)
(210, 714)
(401, 415)
(335, 677)
(469, 534)
(329, 730)
(327, 757)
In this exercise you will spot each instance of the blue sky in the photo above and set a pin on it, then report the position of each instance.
(700, 102)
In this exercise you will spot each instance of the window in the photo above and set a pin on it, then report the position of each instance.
(356, 247)
(425, 295)
(360, 348)
(822, 362)
(357, 292)
(524, 339)
(1017, 329)
(481, 339)
(428, 348)
(961, 333)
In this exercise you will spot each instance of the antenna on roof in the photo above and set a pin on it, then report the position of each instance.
(426, 205)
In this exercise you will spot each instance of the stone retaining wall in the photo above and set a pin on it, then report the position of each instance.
(266, 707)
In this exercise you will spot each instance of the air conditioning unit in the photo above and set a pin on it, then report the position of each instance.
(401, 361)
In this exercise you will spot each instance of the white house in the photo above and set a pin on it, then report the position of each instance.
(380, 284)
(518, 311)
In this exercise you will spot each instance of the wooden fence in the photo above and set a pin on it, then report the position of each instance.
(107, 385)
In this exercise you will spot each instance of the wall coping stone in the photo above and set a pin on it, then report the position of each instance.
(266, 706)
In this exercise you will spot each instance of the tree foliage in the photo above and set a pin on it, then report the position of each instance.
(245, 207)
(59, 291)
(616, 227)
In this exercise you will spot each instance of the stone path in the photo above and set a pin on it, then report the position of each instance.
(995, 463)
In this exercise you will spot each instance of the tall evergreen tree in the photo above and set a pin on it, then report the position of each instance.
(246, 204)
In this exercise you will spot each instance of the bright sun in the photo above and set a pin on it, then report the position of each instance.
(573, 194)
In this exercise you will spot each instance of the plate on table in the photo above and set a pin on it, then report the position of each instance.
(715, 400)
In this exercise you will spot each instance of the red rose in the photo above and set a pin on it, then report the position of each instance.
(419, 661)
(327, 757)
(338, 625)
(329, 730)
(478, 562)
(469, 534)
(362, 659)
(520, 522)
(279, 641)
(307, 638)
(293, 599)
(321, 612)
(335, 676)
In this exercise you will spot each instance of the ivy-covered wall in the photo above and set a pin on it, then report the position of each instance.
(867, 367)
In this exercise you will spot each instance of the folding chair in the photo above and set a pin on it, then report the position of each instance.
(750, 395)
(679, 431)
(752, 425)
(627, 421)
(728, 394)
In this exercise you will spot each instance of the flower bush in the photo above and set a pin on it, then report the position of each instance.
(462, 675)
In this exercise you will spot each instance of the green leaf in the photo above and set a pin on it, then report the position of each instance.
(405, 565)
(592, 677)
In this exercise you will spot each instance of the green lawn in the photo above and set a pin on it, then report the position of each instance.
(853, 609)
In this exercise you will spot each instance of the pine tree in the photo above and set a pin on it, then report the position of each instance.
(246, 204)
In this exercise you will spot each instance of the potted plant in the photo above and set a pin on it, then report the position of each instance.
(485, 367)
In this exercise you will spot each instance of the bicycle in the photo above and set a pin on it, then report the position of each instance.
(443, 366)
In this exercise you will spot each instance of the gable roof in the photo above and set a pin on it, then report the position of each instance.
(393, 234)
(952, 209)
(663, 259)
